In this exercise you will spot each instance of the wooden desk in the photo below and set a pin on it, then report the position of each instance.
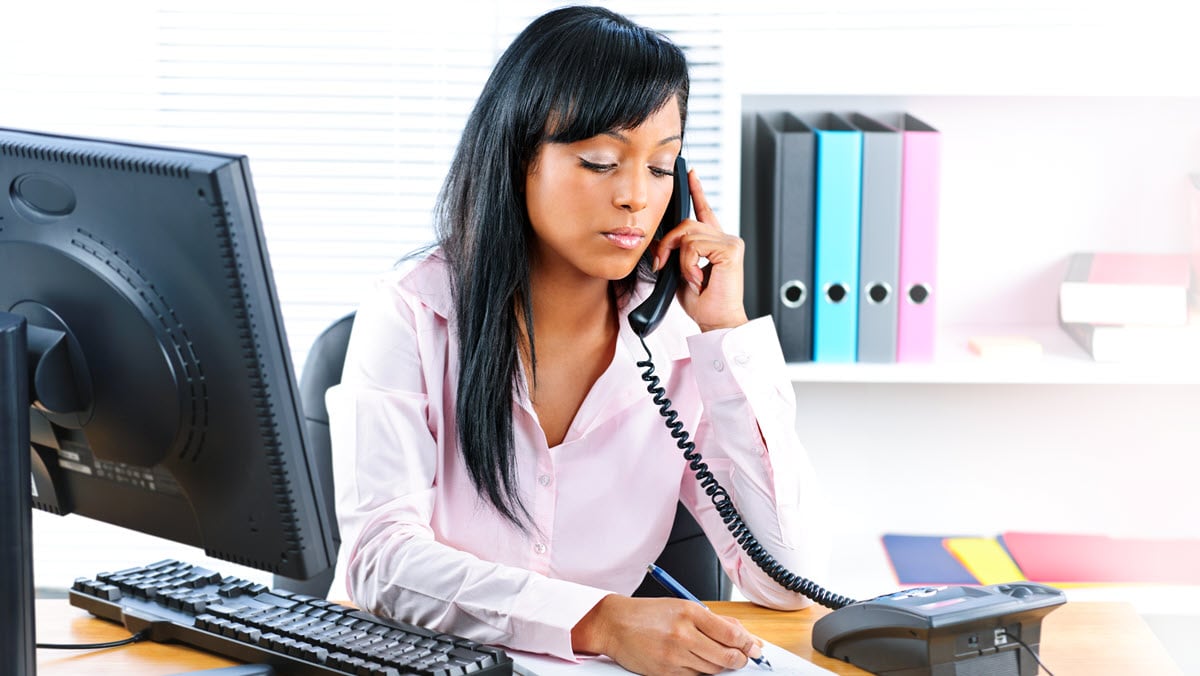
(1078, 639)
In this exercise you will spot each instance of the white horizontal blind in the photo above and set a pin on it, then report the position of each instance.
(349, 113)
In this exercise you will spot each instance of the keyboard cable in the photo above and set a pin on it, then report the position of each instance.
(141, 635)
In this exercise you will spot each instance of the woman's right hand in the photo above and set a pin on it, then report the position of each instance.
(664, 636)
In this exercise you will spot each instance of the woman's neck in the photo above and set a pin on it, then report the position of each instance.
(569, 305)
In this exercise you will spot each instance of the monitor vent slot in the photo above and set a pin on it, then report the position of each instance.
(91, 159)
(268, 566)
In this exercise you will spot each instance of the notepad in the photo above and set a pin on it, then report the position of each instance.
(1008, 348)
(784, 663)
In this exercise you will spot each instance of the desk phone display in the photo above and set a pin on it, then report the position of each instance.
(931, 631)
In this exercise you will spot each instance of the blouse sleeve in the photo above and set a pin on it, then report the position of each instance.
(386, 463)
(747, 436)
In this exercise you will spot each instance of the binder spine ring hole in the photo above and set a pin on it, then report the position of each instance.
(918, 294)
(835, 293)
(879, 293)
(793, 294)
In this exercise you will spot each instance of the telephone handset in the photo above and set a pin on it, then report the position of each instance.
(647, 316)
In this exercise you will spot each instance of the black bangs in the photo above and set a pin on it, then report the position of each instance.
(602, 73)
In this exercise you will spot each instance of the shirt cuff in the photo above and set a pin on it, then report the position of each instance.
(545, 613)
(721, 358)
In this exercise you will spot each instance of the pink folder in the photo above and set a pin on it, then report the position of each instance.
(1057, 558)
(916, 329)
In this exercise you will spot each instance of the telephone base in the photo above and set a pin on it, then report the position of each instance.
(992, 630)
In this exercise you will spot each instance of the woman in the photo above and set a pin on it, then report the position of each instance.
(502, 472)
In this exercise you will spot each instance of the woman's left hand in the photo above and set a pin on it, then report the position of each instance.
(711, 295)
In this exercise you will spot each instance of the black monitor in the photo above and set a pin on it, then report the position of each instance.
(160, 394)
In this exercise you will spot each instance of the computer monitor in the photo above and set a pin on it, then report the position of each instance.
(160, 393)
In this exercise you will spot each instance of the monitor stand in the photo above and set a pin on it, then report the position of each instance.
(17, 654)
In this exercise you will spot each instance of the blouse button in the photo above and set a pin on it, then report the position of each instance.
(718, 365)
(742, 359)
(544, 480)
(539, 548)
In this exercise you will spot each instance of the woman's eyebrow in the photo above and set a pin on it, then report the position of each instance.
(625, 139)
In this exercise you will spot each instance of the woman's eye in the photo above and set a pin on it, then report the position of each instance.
(660, 172)
(596, 166)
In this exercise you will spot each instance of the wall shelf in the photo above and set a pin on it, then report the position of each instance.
(1061, 363)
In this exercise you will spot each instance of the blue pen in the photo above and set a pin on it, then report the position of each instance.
(672, 585)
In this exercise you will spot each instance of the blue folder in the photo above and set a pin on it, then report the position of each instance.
(924, 559)
(837, 216)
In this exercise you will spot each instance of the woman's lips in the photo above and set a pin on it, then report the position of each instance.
(626, 238)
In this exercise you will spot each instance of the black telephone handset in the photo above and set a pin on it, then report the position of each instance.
(647, 316)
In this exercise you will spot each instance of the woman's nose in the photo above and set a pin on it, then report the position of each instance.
(632, 192)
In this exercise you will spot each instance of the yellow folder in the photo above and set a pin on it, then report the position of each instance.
(985, 558)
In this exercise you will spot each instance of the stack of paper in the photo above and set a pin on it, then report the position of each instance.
(1130, 307)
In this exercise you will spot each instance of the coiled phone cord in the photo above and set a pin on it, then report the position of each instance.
(724, 504)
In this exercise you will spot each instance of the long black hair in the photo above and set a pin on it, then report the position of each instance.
(570, 75)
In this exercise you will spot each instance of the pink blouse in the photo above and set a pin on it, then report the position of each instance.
(419, 544)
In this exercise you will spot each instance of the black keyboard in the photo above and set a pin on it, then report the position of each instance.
(295, 634)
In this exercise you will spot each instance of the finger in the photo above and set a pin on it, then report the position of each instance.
(725, 630)
(700, 206)
(701, 252)
(693, 249)
(658, 254)
(714, 658)
(731, 634)
(674, 239)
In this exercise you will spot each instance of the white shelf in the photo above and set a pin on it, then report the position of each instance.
(1062, 362)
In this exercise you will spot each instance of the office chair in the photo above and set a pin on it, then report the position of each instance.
(688, 556)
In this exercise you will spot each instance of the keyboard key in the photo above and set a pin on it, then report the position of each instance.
(275, 599)
(221, 610)
(484, 659)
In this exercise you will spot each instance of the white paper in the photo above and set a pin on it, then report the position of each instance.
(785, 664)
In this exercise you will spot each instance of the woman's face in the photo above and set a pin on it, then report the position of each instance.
(595, 204)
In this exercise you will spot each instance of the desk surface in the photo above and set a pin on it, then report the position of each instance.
(1078, 639)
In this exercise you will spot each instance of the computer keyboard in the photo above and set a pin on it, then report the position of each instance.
(295, 634)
